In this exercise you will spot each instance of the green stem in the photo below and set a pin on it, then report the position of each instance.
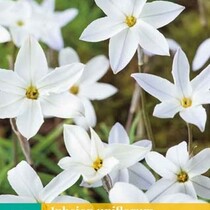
(190, 138)
(24, 144)
(107, 183)
(143, 102)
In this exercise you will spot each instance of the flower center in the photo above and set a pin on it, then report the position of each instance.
(74, 89)
(20, 23)
(130, 21)
(97, 164)
(186, 102)
(32, 93)
(182, 177)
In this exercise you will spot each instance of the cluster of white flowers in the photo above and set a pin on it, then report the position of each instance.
(33, 91)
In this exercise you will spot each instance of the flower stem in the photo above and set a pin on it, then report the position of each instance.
(143, 101)
(133, 107)
(107, 183)
(190, 138)
(24, 144)
(202, 12)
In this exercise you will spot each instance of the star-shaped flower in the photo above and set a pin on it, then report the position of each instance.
(184, 96)
(92, 158)
(29, 92)
(130, 23)
(127, 193)
(87, 88)
(180, 173)
(51, 22)
(27, 184)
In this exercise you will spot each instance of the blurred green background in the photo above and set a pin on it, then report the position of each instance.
(188, 29)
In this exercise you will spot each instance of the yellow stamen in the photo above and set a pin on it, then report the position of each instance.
(20, 23)
(186, 102)
(97, 164)
(130, 21)
(182, 177)
(74, 89)
(32, 93)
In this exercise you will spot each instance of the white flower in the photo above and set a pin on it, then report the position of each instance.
(87, 88)
(17, 16)
(128, 193)
(180, 173)
(202, 55)
(51, 22)
(184, 96)
(92, 159)
(28, 90)
(27, 184)
(136, 174)
(130, 23)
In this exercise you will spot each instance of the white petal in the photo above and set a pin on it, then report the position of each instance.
(16, 199)
(160, 88)
(120, 9)
(167, 109)
(4, 35)
(31, 63)
(140, 176)
(202, 55)
(48, 5)
(127, 154)
(160, 13)
(89, 119)
(150, 38)
(122, 48)
(201, 98)
(199, 164)
(196, 116)
(67, 56)
(164, 168)
(11, 105)
(119, 176)
(58, 185)
(118, 134)
(126, 193)
(64, 17)
(61, 79)
(110, 8)
(10, 82)
(102, 29)
(53, 38)
(68, 199)
(178, 154)
(97, 146)
(144, 143)
(95, 69)
(97, 91)
(177, 198)
(19, 35)
(181, 73)
(202, 186)
(160, 188)
(63, 105)
(201, 81)
(25, 181)
(65, 163)
(77, 143)
(173, 45)
(189, 189)
(30, 121)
